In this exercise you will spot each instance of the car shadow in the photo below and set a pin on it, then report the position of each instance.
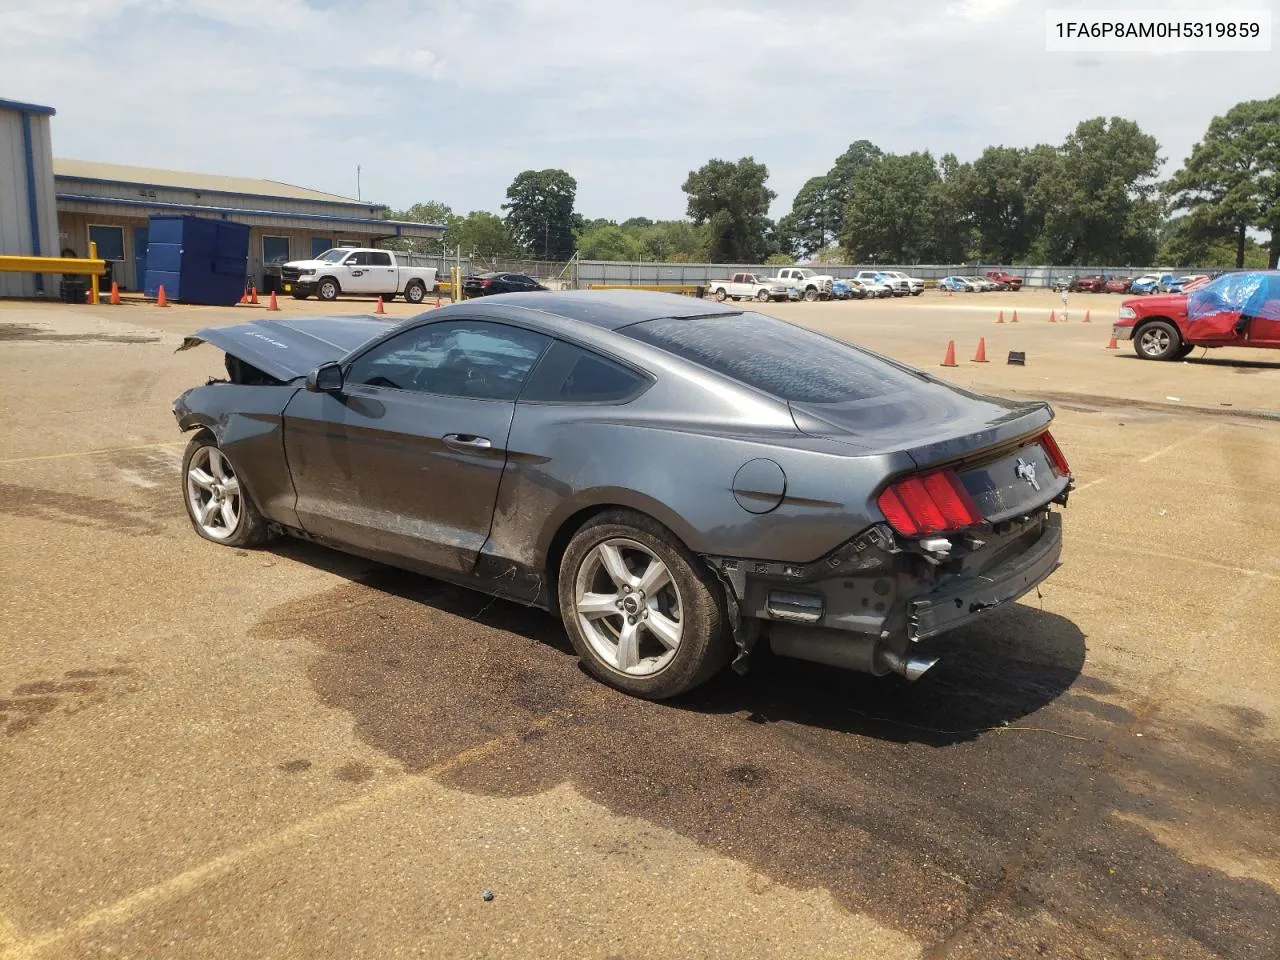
(989, 675)
(1212, 361)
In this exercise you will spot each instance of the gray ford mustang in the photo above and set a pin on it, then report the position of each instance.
(678, 480)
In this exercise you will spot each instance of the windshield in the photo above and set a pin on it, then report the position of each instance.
(332, 256)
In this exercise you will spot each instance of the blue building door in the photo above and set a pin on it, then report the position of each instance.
(140, 258)
(319, 245)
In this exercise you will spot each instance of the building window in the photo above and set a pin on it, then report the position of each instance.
(110, 241)
(275, 249)
(319, 245)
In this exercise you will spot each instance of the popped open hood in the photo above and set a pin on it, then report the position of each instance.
(286, 349)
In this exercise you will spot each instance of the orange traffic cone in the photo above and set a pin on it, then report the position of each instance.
(271, 304)
(161, 299)
(1086, 317)
(253, 296)
(1053, 316)
(1015, 317)
(437, 299)
(244, 297)
(950, 359)
(379, 308)
(1111, 344)
(981, 355)
(1000, 319)
(115, 292)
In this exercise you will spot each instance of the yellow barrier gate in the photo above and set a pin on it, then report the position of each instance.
(89, 266)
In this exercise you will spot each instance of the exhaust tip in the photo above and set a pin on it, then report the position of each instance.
(913, 668)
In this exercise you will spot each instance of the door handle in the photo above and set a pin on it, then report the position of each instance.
(466, 441)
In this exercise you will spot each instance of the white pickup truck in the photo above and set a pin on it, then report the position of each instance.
(385, 273)
(748, 286)
(812, 286)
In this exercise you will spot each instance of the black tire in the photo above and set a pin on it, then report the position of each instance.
(763, 296)
(251, 528)
(300, 294)
(388, 297)
(1157, 340)
(916, 293)
(705, 643)
(415, 292)
(721, 296)
(1184, 351)
(328, 289)
(810, 295)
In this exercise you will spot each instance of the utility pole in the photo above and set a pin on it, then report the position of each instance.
(358, 197)
(546, 238)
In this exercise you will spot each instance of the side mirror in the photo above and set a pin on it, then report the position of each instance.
(326, 378)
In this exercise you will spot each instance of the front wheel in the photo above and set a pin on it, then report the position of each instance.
(415, 292)
(328, 289)
(721, 296)
(763, 296)
(219, 507)
(643, 615)
(810, 295)
(1158, 340)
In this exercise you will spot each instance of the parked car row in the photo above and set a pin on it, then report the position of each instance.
(1146, 284)
(962, 284)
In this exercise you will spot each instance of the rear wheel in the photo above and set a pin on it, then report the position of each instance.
(415, 292)
(642, 614)
(1157, 340)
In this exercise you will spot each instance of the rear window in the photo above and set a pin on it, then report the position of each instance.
(570, 374)
(789, 362)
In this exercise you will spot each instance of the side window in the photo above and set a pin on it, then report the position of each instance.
(379, 259)
(570, 374)
(459, 358)
(357, 260)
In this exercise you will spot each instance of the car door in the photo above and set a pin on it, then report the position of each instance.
(354, 273)
(381, 273)
(404, 463)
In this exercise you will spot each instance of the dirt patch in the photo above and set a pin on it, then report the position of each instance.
(18, 333)
(29, 703)
(972, 810)
(78, 510)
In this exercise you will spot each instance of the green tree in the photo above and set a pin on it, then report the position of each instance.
(1184, 243)
(813, 221)
(1098, 196)
(610, 242)
(540, 212)
(1000, 191)
(430, 211)
(860, 155)
(483, 233)
(1231, 181)
(779, 260)
(888, 216)
(948, 222)
(732, 199)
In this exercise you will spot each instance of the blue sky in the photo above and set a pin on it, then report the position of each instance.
(449, 100)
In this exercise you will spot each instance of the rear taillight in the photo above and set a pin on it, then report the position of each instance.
(486, 283)
(1054, 453)
(927, 504)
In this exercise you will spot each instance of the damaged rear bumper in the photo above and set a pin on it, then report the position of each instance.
(965, 600)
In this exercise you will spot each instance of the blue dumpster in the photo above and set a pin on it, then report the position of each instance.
(196, 260)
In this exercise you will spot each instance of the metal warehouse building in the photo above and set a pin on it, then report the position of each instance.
(28, 218)
(110, 205)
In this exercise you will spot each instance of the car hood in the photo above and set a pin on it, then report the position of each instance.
(286, 349)
(308, 264)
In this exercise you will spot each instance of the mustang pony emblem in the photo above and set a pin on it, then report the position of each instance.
(1026, 471)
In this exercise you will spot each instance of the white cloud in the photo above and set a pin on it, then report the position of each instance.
(448, 100)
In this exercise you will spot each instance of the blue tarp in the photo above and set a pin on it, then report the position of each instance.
(1254, 293)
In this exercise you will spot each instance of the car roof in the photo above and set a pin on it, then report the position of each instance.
(611, 309)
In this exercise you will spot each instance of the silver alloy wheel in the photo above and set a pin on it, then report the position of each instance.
(328, 290)
(1155, 341)
(629, 607)
(213, 493)
(415, 293)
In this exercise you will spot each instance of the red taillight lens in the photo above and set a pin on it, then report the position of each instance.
(1054, 453)
(486, 283)
(932, 503)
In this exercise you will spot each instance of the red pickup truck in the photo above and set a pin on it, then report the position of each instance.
(1008, 279)
(1235, 310)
